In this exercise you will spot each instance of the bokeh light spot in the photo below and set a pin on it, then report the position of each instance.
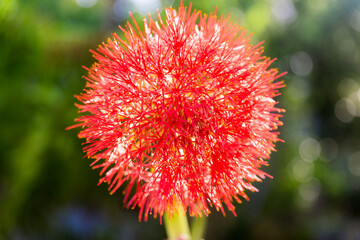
(309, 193)
(284, 11)
(121, 10)
(345, 110)
(145, 6)
(347, 86)
(86, 3)
(302, 171)
(301, 63)
(309, 149)
(354, 163)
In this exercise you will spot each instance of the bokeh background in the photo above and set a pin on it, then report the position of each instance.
(48, 190)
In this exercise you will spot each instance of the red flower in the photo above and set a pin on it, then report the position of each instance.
(181, 113)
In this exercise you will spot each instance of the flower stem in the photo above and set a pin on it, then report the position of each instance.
(177, 226)
(198, 228)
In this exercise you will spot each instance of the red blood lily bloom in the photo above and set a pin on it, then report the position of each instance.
(180, 113)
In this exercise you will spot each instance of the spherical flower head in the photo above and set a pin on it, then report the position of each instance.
(181, 113)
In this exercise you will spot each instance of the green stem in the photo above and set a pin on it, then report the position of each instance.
(177, 226)
(198, 228)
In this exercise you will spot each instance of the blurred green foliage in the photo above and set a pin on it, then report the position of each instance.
(47, 189)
